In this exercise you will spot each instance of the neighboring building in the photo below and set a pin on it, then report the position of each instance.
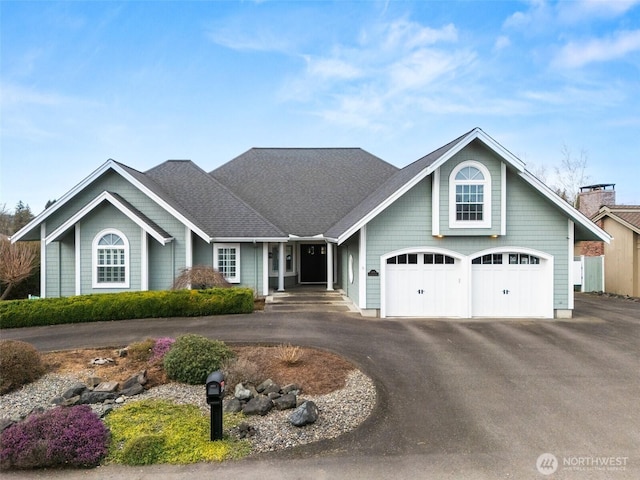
(622, 255)
(590, 199)
(465, 231)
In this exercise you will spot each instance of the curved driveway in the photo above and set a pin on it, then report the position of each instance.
(456, 398)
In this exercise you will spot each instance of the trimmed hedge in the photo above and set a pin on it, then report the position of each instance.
(123, 306)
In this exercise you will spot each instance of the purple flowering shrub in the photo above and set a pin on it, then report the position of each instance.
(160, 349)
(61, 437)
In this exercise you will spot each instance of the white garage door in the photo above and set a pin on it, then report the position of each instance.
(511, 284)
(423, 285)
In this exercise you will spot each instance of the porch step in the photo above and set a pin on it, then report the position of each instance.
(309, 299)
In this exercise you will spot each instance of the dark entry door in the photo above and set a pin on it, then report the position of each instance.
(313, 263)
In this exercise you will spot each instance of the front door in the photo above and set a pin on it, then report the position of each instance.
(313, 263)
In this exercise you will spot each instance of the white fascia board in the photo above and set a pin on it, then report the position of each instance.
(105, 196)
(63, 200)
(109, 164)
(571, 212)
(477, 133)
(247, 239)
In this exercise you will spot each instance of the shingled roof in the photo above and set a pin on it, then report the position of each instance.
(304, 191)
(392, 185)
(209, 204)
(628, 215)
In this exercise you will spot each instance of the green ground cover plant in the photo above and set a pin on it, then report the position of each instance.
(158, 431)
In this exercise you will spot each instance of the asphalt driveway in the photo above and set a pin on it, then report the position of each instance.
(456, 398)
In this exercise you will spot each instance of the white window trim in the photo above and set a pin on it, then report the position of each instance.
(94, 260)
(236, 246)
(486, 211)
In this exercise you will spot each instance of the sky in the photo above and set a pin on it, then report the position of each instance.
(142, 82)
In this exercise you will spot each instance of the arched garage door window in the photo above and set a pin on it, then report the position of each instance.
(110, 260)
(511, 284)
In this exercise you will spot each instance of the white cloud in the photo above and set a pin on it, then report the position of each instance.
(577, 54)
(576, 11)
(331, 68)
(502, 42)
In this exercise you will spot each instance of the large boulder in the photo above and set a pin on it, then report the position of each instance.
(305, 414)
(260, 405)
(285, 402)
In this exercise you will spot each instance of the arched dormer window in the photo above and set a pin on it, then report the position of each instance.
(470, 196)
(110, 260)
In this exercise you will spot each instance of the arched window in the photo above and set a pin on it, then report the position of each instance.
(110, 260)
(470, 196)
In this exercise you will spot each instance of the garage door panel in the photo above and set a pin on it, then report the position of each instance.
(424, 289)
(510, 288)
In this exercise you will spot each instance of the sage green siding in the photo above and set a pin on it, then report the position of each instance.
(405, 223)
(67, 265)
(532, 222)
(476, 152)
(251, 266)
(103, 217)
(52, 272)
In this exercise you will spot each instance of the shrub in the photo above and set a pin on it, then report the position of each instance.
(125, 305)
(200, 277)
(61, 437)
(143, 450)
(141, 351)
(288, 354)
(193, 357)
(159, 431)
(241, 370)
(160, 349)
(20, 364)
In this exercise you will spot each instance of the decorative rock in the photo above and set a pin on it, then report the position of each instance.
(245, 430)
(96, 397)
(267, 383)
(5, 423)
(77, 389)
(260, 405)
(285, 402)
(292, 388)
(93, 382)
(242, 393)
(274, 395)
(139, 378)
(120, 400)
(233, 405)
(106, 387)
(273, 388)
(102, 361)
(305, 414)
(123, 352)
(134, 389)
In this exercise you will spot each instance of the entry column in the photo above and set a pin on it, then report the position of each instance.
(281, 267)
(329, 266)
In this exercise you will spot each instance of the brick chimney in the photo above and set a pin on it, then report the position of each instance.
(592, 197)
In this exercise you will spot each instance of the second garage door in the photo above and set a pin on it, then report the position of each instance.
(424, 285)
(511, 284)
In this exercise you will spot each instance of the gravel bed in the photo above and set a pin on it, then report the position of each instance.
(340, 411)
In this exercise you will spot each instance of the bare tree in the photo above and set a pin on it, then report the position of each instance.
(571, 174)
(17, 261)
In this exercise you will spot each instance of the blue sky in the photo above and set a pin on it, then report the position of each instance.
(143, 82)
